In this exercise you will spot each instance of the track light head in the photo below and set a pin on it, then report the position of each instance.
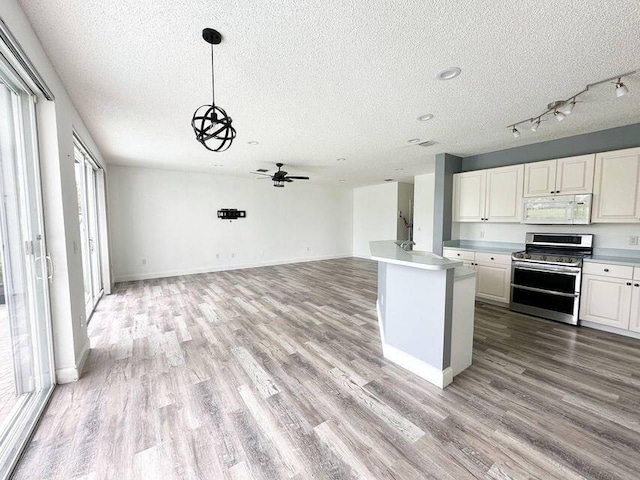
(567, 107)
(534, 125)
(621, 89)
(559, 115)
(515, 132)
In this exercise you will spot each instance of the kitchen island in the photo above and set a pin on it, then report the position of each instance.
(425, 311)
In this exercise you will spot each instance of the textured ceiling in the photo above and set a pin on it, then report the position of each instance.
(316, 80)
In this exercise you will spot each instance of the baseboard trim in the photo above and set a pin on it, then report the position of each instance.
(606, 328)
(72, 374)
(194, 271)
(440, 378)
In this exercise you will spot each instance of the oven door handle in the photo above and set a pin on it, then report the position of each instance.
(549, 269)
(542, 290)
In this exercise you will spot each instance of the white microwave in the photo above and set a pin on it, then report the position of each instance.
(558, 210)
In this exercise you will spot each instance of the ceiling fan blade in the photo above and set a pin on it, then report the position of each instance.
(294, 177)
(260, 173)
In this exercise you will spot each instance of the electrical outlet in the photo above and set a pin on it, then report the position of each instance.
(233, 255)
(144, 261)
(481, 233)
(217, 255)
(633, 239)
(308, 249)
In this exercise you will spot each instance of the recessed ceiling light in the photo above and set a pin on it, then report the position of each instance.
(341, 180)
(424, 118)
(399, 169)
(449, 73)
(218, 165)
(253, 142)
(414, 140)
(340, 159)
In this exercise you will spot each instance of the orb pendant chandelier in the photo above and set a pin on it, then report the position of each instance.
(211, 123)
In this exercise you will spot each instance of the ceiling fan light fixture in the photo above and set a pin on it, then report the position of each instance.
(210, 123)
(559, 115)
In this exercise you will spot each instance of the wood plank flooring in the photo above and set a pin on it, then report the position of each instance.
(277, 372)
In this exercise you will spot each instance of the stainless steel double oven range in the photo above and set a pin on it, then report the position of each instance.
(546, 276)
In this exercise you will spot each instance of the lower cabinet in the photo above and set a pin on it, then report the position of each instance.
(493, 280)
(611, 296)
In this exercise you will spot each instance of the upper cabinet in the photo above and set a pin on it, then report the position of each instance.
(566, 176)
(616, 192)
(493, 195)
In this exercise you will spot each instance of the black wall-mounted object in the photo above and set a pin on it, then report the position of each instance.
(231, 214)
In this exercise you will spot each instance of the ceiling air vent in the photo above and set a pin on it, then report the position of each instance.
(428, 143)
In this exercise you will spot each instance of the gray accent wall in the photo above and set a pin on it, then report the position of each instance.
(446, 166)
(595, 142)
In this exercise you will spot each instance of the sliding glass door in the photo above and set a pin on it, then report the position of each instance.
(88, 174)
(26, 354)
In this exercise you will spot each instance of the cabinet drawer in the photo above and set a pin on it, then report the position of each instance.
(493, 258)
(458, 254)
(606, 270)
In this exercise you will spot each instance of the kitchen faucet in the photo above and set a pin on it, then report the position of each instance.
(407, 245)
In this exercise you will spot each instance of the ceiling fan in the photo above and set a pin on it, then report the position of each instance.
(280, 177)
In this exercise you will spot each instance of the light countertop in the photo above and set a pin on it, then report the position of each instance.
(614, 260)
(389, 252)
(486, 247)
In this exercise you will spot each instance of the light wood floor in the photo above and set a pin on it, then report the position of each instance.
(277, 373)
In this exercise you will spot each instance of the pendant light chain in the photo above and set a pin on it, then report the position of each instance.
(213, 96)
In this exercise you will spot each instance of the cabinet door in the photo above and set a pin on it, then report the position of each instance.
(469, 191)
(504, 194)
(493, 282)
(634, 323)
(574, 175)
(606, 301)
(616, 188)
(540, 178)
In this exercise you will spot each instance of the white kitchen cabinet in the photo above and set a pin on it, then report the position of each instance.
(494, 272)
(469, 191)
(616, 190)
(540, 178)
(606, 300)
(634, 320)
(504, 194)
(565, 176)
(493, 195)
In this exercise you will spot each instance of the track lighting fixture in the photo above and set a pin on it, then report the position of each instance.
(535, 124)
(561, 108)
(621, 89)
(567, 107)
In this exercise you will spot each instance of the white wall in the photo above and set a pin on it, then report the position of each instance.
(375, 211)
(169, 219)
(423, 208)
(405, 209)
(605, 235)
(56, 122)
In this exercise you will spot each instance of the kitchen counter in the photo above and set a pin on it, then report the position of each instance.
(502, 248)
(425, 311)
(614, 260)
(389, 252)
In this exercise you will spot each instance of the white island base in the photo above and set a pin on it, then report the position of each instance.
(425, 312)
